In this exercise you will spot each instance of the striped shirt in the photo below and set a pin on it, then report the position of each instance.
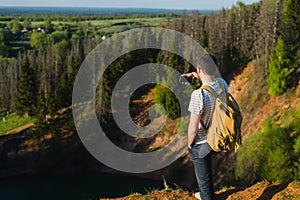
(202, 103)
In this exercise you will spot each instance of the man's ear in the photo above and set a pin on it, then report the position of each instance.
(198, 70)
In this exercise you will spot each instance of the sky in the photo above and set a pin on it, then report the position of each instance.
(167, 4)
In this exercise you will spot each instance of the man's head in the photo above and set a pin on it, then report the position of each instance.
(207, 64)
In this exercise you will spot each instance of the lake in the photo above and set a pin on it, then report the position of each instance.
(83, 187)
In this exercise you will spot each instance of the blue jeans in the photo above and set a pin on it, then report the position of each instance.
(200, 155)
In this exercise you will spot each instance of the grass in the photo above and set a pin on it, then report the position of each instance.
(117, 25)
(172, 194)
(152, 21)
(12, 121)
(144, 20)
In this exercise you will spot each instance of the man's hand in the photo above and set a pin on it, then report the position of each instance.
(192, 75)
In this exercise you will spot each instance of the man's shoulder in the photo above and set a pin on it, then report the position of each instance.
(197, 93)
(224, 82)
(216, 85)
(222, 79)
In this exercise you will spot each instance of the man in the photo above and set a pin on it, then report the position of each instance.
(201, 108)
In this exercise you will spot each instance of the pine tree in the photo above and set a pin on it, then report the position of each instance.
(41, 114)
(27, 90)
(64, 92)
(291, 25)
(291, 37)
(278, 69)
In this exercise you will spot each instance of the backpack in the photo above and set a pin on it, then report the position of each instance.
(224, 129)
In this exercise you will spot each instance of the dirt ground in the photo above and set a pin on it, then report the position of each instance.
(258, 191)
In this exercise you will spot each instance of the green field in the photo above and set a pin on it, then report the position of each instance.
(13, 121)
(106, 23)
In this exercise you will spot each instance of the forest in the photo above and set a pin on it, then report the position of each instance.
(40, 56)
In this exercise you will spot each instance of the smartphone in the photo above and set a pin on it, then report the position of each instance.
(185, 79)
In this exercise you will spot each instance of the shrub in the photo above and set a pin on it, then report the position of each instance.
(266, 155)
(278, 69)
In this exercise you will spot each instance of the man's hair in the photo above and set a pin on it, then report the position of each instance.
(208, 64)
(214, 59)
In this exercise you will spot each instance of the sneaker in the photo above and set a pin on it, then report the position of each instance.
(197, 195)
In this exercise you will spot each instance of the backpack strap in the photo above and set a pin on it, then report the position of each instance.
(222, 86)
(212, 91)
(215, 94)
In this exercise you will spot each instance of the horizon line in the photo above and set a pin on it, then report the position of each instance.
(43, 6)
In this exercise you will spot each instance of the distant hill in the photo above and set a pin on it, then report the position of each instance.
(92, 11)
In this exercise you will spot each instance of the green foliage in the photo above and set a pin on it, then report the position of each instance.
(3, 49)
(168, 100)
(27, 23)
(291, 37)
(42, 111)
(15, 26)
(2, 35)
(159, 96)
(183, 126)
(276, 153)
(59, 50)
(5, 35)
(278, 69)
(27, 90)
(48, 26)
(76, 37)
(163, 95)
(297, 170)
(5, 96)
(64, 92)
(40, 40)
(12, 121)
(295, 128)
(297, 145)
(291, 24)
(272, 154)
(58, 36)
(249, 158)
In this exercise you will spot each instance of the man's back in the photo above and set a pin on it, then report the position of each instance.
(202, 103)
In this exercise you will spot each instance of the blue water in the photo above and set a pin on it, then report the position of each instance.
(88, 187)
(92, 11)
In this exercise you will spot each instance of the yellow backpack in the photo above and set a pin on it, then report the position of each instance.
(224, 129)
